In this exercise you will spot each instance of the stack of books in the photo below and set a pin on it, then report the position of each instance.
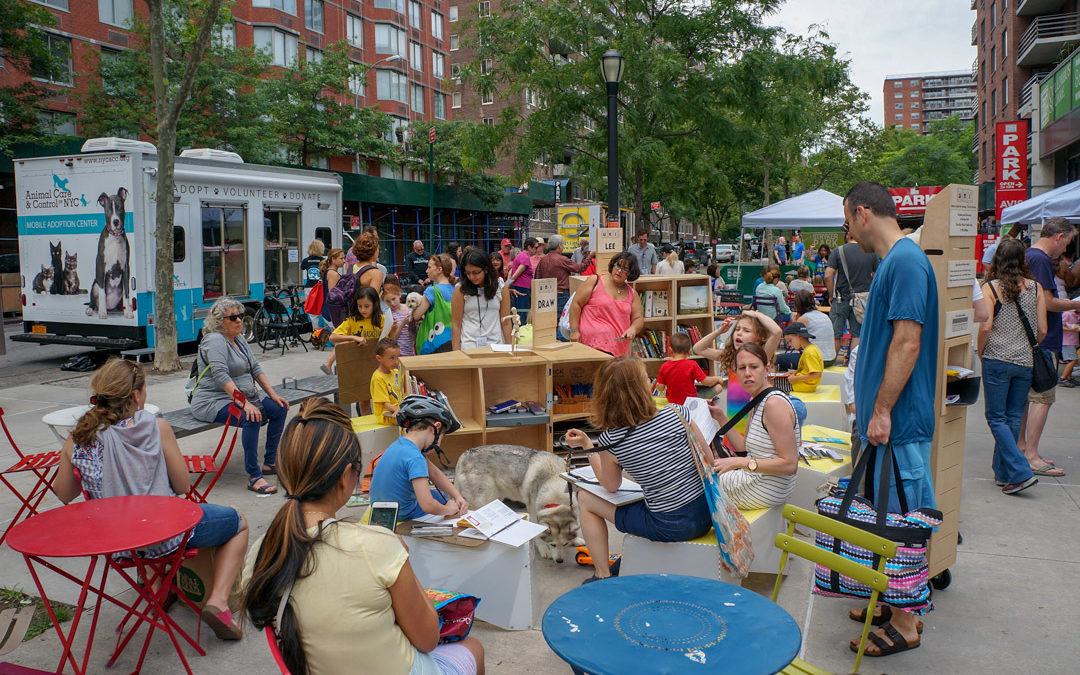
(692, 332)
(655, 303)
(651, 344)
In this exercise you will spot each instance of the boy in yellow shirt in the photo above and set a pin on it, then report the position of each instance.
(386, 382)
(811, 365)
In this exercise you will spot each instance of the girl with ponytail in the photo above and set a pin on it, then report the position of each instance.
(122, 450)
(349, 586)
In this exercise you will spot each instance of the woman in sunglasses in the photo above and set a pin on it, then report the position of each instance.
(225, 364)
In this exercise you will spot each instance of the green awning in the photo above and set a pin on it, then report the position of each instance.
(391, 192)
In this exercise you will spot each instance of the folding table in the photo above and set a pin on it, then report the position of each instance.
(97, 529)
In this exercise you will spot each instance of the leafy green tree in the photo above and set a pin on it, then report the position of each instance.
(25, 53)
(922, 160)
(464, 155)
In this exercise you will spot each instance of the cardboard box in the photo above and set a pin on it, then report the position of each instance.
(195, 579)
(355, 364)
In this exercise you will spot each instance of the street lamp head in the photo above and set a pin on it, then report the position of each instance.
(611, 64)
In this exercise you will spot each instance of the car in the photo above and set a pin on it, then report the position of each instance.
(725, 253)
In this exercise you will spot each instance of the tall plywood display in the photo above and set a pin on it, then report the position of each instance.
(948, 238)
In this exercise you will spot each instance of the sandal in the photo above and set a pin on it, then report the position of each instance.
(899, 643)
(222, 623)
(262, 490)
(1049, 470)
(269, 469)
(859, 614)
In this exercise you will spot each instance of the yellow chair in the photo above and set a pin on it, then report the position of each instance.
(874, 577)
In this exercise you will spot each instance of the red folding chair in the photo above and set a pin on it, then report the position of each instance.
(212, 466)
(271, 639)
(42, 466)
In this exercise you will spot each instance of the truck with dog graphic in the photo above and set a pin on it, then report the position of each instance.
(86, 225)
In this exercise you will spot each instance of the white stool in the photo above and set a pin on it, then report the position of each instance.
(823, 407)
(374, 437)
(810, 478)
(61, 422)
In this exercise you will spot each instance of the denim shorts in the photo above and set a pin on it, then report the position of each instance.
(218, 525)
(687, 522)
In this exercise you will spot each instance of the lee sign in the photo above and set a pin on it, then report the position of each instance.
(1010, 153)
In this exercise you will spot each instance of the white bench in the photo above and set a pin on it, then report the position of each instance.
(820, 471)
(823, 406)
(835, 375)
(374, 437)
(700, 557)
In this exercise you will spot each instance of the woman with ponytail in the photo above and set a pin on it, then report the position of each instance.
(340, 593)
(120, 449)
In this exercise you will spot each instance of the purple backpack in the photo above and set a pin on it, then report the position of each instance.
(342, 294)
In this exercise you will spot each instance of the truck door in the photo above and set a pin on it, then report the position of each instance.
(185, 291)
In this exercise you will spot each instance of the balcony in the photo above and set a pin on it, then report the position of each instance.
(937, 93)
(1025, 102)
(974, 33)
(1036, 7)
(973, 3)
(1046, 37)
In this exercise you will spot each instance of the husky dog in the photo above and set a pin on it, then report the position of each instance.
(56, 256)
(523, 475)
(43, 278)
(111, 289)
(71, 274)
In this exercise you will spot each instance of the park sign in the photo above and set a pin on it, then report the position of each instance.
(912, 200)
(1010, 158)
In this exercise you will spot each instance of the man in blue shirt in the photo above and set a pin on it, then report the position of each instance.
(1056, 235)
(780, 251)
(798, 250)
(897, 367)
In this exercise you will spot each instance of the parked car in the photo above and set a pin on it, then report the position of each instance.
(725, 253)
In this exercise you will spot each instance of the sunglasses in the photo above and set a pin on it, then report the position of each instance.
(233, 317)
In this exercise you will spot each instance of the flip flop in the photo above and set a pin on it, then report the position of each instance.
(859, 614)
(899, 643)
(325, 369)
(262, 491)
(222, 623)
(1049, 470)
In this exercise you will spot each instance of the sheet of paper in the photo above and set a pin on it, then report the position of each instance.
(518, 534)
(700, 415)
(629, 491)
(500, 348)
(491, 518)
(435, 518)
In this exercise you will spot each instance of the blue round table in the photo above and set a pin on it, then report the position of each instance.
(669, 623)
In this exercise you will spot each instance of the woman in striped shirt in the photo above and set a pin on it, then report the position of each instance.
(653, 448)
(766, 475)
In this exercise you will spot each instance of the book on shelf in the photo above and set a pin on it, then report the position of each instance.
(693, 299)
(651, 344)
(655, 304)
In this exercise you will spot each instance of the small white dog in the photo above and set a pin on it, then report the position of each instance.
(412, 300)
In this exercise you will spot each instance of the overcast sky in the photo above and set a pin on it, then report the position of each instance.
(888, 37)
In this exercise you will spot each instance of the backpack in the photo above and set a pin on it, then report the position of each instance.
(435, 328)
(336, 304)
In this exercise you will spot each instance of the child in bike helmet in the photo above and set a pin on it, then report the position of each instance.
(403, 472)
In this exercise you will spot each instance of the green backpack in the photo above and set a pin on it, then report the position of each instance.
(436, 327)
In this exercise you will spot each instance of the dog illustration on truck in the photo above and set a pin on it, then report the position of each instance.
(89, 264)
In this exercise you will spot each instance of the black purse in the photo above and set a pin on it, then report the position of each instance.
(1043, 371)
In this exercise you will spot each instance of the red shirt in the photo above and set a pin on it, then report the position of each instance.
(679, 376)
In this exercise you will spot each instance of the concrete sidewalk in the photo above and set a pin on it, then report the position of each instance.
(1011, 606)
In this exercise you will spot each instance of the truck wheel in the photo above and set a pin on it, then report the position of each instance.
(249, 332)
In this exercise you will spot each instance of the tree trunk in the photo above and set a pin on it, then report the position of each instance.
(639, 200)
(765, 186)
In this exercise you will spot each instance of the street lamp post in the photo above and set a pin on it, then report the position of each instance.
(611, 64)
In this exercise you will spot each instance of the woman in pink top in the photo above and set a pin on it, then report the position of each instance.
(605, 314)
(521, 276)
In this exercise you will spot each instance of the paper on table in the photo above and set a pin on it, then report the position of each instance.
(501, 348)
(518, 534)
(629, 491)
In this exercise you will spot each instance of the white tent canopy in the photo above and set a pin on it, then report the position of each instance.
(819, 209)
(1063, 201)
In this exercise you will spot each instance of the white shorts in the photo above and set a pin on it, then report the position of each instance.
(447, 659)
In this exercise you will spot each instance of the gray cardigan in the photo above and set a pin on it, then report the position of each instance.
(227, 362)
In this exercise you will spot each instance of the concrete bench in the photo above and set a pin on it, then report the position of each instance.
(824, 406)
(374, 437)
(184, 424)
(700, 557)
(836, 375)
(820, 471)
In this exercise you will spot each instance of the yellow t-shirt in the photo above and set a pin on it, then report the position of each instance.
(385, 388)
(809, 362)
(344, 607)
(362, 327)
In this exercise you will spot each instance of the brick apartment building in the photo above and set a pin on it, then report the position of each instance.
(913, 101)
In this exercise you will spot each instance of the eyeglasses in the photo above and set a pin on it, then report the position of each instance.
(233, 317)
(624, 268)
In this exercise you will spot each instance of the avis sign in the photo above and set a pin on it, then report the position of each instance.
(1010, 154)
(913, 200)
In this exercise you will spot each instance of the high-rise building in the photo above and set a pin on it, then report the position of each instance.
(912, 101)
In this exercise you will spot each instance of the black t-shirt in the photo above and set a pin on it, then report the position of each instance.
(309, 270)
(416, 266)
(860, 265)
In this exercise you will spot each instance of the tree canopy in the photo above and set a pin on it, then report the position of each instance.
(24, 49)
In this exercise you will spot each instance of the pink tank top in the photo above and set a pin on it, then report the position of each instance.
(604, 318)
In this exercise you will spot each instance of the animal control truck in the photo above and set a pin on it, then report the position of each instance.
(87, 246)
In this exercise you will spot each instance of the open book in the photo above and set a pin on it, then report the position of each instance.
(585, 478)
(494, 522)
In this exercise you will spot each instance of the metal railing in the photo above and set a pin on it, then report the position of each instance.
(1048, 27)
(975, 70)
(1028, 87)
(974, 31)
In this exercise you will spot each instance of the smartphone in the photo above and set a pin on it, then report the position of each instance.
(384, 514)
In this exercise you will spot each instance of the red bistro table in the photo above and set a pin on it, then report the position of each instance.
(96, 529)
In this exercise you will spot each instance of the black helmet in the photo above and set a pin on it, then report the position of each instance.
(415, 407)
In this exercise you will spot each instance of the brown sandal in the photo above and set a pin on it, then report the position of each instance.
(899, 643)
(858, 614)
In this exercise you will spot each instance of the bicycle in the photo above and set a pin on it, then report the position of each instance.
(277, 325)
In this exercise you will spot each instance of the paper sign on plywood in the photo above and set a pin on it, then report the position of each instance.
(958, 323)
(611, 239)
(964, 195)
(963, 222)
(961, 273)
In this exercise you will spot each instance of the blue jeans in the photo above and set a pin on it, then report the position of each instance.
(560, 304)
(521, 302)
(274, 418)
(218, 525)
(1005, 390)
(687, 522)
(915, 477)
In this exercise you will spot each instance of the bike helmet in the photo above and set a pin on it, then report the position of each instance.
(416, 407)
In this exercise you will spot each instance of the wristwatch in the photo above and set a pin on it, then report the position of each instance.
(752, 464)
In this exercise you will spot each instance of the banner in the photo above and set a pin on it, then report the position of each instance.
(1010, 158)
(912, 200)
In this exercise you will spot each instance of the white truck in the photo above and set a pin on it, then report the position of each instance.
(86, 227)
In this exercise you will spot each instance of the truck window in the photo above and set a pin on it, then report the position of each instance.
(282, 241)
(179, 244)
(224, 257)
(327, 238)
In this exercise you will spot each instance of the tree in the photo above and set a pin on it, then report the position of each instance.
(24, 49)
(464, 152)
(922, 160)
(169, 98)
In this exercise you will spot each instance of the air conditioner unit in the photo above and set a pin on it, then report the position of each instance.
(112, 143)
(212, 153)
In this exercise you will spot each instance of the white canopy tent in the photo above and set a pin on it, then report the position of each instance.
(1063, 201)
(817, 210)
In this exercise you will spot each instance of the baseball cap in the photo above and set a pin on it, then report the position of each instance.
(504, 242)
(796, 328)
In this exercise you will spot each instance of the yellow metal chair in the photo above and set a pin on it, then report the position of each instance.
(873, 577)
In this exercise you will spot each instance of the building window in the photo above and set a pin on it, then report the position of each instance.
(993, 11)
(454, 44)
(396, 5)
(490, 121)
(288, 6)
(993, 59)
(282, 241)
(436, 25)
(396, 132)
(61, 51)
(898, 116)
(982, 73)
(416, 14)
(224, 259)
(312, 55)
(914, 115)
(486, 66)
(1005, 94)
(57, 122)
(453, 14)
(354, 26)
(356, 84)
(487, 98)
(993, 103)
(58, 4)
(532, 99)
(484, 9)
(915, 127)
(913, 83)
(417, 99)
(898, 106)
(455, 71)
(281, 46)
(114, 12)
(438, 106)
(390, 86)
(455, 99)
(897, 84)
(416, 56)
(914, 93)
(390, 40)
(313, 15)
(228, 36)
(898, 94)
(915, 104)
(983, 118)
(1004, 44)
(438, 65)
